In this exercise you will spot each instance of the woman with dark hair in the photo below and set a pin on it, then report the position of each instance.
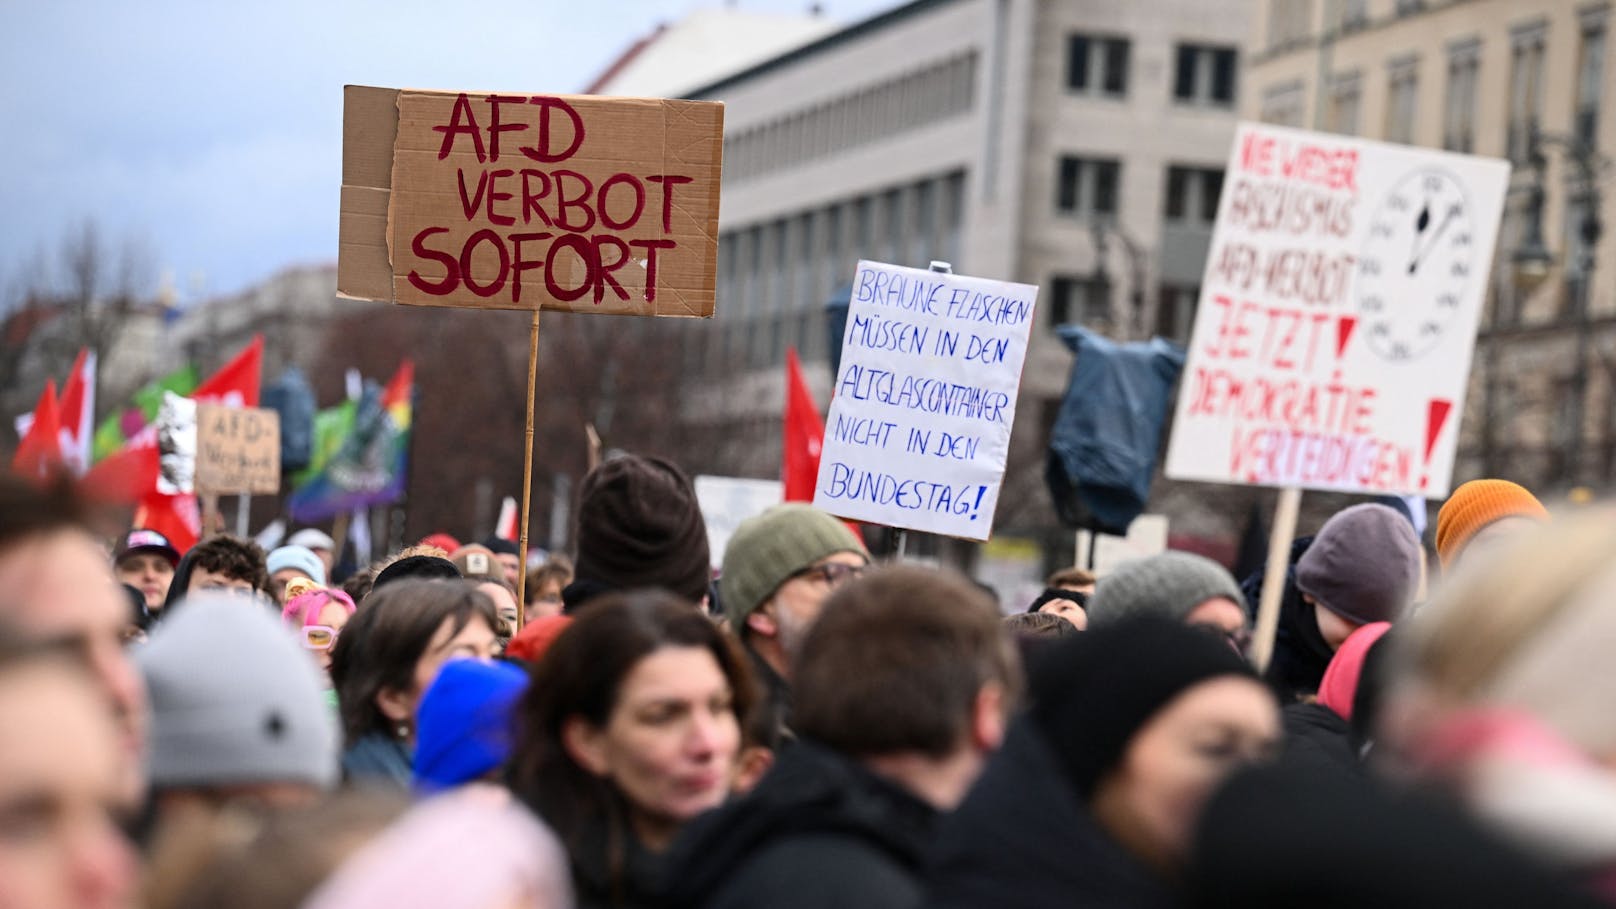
(631, 727)
(387, 656)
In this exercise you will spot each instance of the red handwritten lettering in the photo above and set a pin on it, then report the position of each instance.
(543, 151)
(462, 121)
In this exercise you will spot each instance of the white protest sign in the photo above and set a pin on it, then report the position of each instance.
(727, 501)
(919, 427)
(1338, 314)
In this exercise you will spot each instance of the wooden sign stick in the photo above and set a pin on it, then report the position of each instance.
(527, 470)
(1273, 588)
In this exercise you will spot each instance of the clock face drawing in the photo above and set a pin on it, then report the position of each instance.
(1416, 265)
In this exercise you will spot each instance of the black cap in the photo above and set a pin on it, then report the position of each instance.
(140, 540)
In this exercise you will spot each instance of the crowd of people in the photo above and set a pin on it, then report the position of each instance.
(812, 728)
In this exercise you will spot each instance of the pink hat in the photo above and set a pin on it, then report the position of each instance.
(474, 846)
(304, 609)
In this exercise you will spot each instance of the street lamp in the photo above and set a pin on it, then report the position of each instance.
(1532, 262)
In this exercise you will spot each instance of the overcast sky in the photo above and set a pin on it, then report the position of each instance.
(210, 131)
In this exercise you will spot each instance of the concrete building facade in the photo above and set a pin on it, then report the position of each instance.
(1073, 144)
(1476, 76)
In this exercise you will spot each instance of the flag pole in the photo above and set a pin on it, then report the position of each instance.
(527, 469)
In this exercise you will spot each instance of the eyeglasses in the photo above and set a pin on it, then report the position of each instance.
(319, 637)
(1239, 639)
(832, 574)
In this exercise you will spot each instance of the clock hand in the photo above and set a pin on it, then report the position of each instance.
(1421, 222)
(1435, 237)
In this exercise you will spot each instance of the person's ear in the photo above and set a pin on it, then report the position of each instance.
(762, 621)
(989, 717)
(753, 763)
(586, 745)
(396, 705)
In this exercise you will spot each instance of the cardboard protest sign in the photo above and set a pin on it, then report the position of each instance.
(1338, 315)
(514, 201)
(919, 428)
(727, 501)
(238, 449)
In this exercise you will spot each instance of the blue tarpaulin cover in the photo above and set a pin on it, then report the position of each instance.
(1102, 448)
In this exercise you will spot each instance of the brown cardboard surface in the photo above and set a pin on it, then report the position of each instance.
(409, 210)
(238, 449)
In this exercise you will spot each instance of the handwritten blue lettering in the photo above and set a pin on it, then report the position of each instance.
(879, 488)
(877, 333)
(863, 431)
(863, 383)
(986, 350)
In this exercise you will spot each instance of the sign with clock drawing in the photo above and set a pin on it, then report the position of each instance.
(1338, 314)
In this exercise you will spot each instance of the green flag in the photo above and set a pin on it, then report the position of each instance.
(122, 424)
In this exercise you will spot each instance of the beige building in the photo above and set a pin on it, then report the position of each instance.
(1073, 144)
(1475, 76)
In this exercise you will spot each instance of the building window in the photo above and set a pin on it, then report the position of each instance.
(1084, 301)
(953, 216)
(1097, 65)
(1402, 92)
(1205, 75)
(1346, 99)
(1409, 7)
(889, 242)
(1282, 105)
(1590, 80)
(1459, 114)
(1175, 311)
(1527, 46)
(1289, 21)
(1354, 14)
(1087, 186)
(1192, 194)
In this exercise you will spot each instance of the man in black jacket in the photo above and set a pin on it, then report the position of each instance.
(902, 689)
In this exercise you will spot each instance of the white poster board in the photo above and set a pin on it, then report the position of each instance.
(727, 501)
(1338, 314)
(919, 427)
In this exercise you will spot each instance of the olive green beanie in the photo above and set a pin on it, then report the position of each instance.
(767, 549)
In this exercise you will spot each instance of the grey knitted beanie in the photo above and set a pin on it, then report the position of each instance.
(767, 549)
(1171, 585)
(235, 699)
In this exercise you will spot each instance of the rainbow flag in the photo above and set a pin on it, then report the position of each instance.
(369, 464)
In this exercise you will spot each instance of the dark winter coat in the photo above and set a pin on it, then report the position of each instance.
(1318, 736)
(1023, 839)
(1289, 835)
(608, 875)
(1300, 652)
(819, 832)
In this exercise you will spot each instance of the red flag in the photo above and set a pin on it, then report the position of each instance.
(77, 412)
(236, 383)
(175, 517)
(126, 476)
(40, 451)
(804, 436)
